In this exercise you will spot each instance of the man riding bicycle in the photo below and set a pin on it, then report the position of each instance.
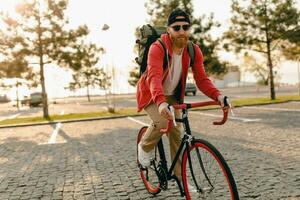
(158, 87)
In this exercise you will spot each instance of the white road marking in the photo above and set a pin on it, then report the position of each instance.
(10, 117)
(52, 139)
(275, 109)
(137, 121)
(234, 118)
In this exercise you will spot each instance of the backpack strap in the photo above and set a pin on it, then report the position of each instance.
(165, 52)
(191, 52)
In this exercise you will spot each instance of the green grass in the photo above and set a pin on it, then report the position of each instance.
(264, 100)
(255, 101)
(71, 116)
(132, 111)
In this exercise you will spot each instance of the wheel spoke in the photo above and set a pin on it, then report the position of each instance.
(208, 167)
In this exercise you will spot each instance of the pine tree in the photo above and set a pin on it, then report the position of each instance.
(261, 26)
(88, 74)
(200, 33)
(42, 37)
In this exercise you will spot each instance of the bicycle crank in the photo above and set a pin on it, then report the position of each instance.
(162, 176)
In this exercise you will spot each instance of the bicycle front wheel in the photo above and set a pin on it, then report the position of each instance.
(149, 174)
(206, 174)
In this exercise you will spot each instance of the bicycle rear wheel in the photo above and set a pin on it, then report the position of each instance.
(206, 174)
(149, 174)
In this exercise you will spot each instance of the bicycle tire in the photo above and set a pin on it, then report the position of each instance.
(202, 165)
(149, 175)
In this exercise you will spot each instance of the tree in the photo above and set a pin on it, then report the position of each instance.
(88, 75)
(14, 66)
(134, 75)
(160, 10)
(259, 69)
(42, 36)
(257, 64)
(200, 33)
(291, 50)
(209, 46)
(260, 26)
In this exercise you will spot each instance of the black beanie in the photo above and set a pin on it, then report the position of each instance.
(176, 13)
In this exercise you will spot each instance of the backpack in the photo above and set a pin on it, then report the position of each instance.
(149, 34)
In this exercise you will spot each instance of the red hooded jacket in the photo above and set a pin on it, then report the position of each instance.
(150, 85)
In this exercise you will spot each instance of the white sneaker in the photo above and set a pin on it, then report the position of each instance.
(143, 156)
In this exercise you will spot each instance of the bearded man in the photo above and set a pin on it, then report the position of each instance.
(160, 87)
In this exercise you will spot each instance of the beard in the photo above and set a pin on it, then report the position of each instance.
(179, 41)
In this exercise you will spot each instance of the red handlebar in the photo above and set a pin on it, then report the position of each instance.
(194, 105)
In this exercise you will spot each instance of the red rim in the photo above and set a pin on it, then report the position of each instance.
(152, 190)
(184, 161)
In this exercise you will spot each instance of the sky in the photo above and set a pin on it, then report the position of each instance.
(123, 17)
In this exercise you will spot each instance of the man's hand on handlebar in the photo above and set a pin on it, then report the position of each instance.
(225, 103)
(164, 111)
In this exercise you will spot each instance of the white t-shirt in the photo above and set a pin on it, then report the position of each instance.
(174, 75)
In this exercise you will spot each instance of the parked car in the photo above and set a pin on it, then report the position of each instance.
(4, 98)
(190, 88)
(34, 100)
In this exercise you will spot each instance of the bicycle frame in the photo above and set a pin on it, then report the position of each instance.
(186, 140)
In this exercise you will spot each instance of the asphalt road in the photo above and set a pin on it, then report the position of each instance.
(96, 159)
(98, 103)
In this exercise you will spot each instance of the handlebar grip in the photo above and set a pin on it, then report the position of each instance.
(225, 115)
(201, 104)
(226, 101)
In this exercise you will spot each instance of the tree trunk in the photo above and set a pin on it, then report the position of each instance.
(271, 79)
(17, 93)
(88, 92)
(299, 76)
(44, 94)
(269, 57)
(41, 53)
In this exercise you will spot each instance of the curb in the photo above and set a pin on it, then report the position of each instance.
(116, 117)
(69, 121)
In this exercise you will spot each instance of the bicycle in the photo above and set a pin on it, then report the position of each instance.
(211, 179)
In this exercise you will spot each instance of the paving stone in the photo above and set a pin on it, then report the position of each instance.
(100, 162)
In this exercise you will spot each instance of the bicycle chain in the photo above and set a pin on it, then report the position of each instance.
(162, 176)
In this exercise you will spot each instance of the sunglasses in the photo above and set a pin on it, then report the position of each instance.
(185, 27)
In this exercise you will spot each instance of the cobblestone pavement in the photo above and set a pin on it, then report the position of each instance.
(96, 159)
